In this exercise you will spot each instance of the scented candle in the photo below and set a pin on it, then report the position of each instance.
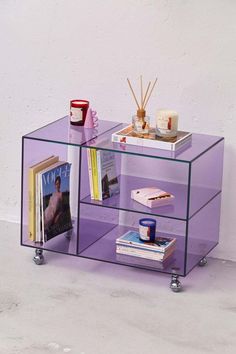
(147, 229)
(78, 111)
(166, 123)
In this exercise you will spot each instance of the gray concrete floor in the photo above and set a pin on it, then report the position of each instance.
(72, 305)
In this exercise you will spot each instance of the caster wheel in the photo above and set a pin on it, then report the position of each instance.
(175, 286)
(38, 258)
(202, 262)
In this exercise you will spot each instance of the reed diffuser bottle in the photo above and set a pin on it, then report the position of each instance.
(140, 121)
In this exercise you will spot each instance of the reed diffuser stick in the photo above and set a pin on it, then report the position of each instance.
(150, 93)
(146, 94)
(133, 93)
(141, 82)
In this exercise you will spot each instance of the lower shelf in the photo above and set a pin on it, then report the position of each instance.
(102, 247)
(97, 241)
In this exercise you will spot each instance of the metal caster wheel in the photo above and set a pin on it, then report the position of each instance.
(38, 258)
(202, 262)
(175, 284)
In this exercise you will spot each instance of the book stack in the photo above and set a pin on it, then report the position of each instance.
(103, 180)
(128, 136)
(131, 245)
(49, 204)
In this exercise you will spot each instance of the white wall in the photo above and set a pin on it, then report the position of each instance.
(55, 50)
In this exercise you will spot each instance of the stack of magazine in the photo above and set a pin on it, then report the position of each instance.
(49, 199)
(131, 245)
(103, 178)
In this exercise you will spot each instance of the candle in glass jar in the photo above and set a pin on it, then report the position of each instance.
(166, 123)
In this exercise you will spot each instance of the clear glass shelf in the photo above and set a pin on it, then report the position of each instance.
(62, 132)
(198, 145)
(176, 210)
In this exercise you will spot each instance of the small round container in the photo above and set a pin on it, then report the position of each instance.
(166, 123)
(147, 229)
(141, 125)
(141, 122)
(78, 111)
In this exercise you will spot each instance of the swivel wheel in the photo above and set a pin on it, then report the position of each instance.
(175, 284)
(38, 258)
(202, 262)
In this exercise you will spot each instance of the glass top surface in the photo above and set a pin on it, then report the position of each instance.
(61, 131)
(197, 145)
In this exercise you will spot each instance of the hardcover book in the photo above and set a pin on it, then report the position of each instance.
(33, 170)
(55, 201)
(152, 197)
(149, 263)
(131, 251)
(128, 136)
(161, 244)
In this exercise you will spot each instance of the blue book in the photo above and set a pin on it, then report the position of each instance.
(55, 200)
(131, 239)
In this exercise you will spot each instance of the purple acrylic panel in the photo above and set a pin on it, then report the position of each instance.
(35, 151)
(206, 177)
(203, 232)
(64, 243)
(94, 223)
(63, 132)
(149, 167)
(177, 209)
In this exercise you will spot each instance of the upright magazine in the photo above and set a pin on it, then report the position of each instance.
(55, 201)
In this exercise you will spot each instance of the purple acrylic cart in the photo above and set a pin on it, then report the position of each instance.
(193, 174)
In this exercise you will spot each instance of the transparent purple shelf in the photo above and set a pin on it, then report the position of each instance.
(193, 174)
(176, 210)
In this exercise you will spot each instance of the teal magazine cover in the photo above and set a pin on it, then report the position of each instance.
(55, 189)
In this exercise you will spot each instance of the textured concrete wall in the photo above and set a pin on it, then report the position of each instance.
(55, 50)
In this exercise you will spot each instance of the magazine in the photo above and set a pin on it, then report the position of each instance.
(107, 176)
(161, 244)
(55, 201)
(32, 173)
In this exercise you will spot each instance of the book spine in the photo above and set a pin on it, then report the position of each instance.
(37, 209)
(143, 249)
(99, 168)
(147, 255)
(31, 226)
(146, 248)
(132, 252)
(182, 142)
(95, 173)
(32, 193)
(127, 140)
(42, 234)
(90, 173)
